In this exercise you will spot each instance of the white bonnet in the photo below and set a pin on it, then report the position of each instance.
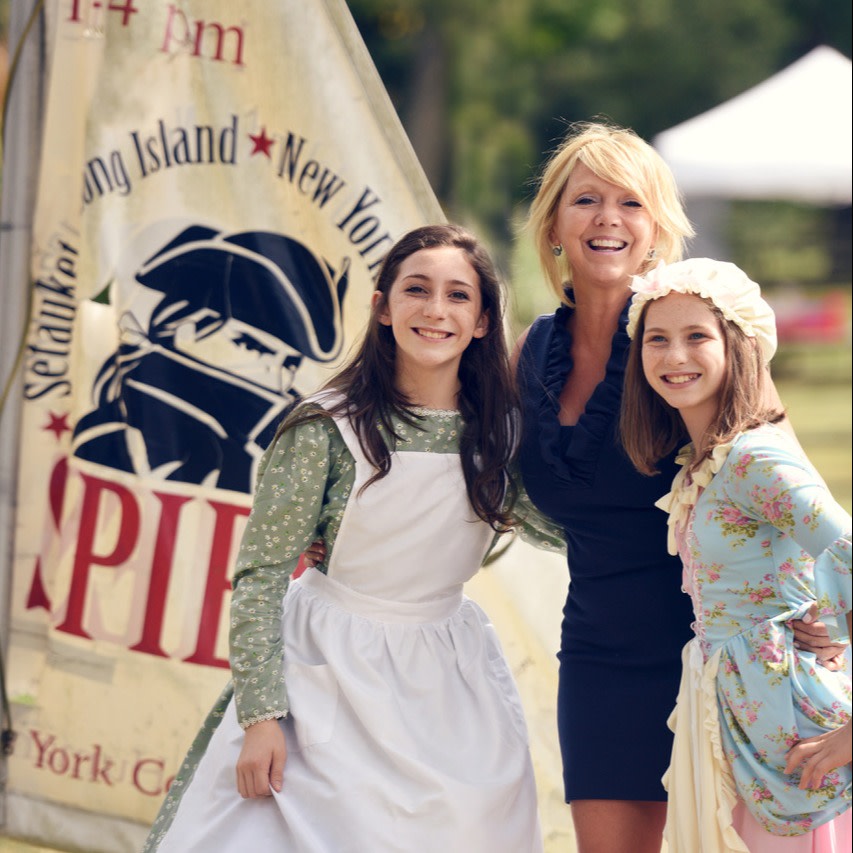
(726, 285)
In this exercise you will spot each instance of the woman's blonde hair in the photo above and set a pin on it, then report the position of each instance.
(619, 156)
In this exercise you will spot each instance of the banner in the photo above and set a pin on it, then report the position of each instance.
(219, 183)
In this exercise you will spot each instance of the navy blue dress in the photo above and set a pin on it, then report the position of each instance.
(626, 618)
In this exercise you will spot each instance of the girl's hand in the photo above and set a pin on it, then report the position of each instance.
(261, 762)
(812, 636)
(818, 755)
(315, 553)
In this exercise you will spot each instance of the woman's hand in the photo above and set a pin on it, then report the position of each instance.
(819, 755)
(261, 762)
(812, 636)
(315, 553)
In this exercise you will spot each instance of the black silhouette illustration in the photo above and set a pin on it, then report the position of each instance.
(197, 387)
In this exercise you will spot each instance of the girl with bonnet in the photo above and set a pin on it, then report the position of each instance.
(761, 759)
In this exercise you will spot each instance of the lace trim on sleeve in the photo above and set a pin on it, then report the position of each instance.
(260, 718)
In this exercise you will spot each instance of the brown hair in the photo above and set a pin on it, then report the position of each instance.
(651, 429)
(486, 400)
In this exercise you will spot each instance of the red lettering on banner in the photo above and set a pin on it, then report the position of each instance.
(178, 31)
(151, 767)
(101, 767)
(79, 761)
(161, 570)
(41, 747)
(85, 557)
(93, 766)
(58, 761)
(37, 596)
(217, 583)
(144, 530)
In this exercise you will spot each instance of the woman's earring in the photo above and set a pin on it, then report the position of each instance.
(651, 254)
(557, 250)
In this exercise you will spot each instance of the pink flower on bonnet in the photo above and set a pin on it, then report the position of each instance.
(726, 285)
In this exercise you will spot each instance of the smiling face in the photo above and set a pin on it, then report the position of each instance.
(684, 358)
(434, 309)
(604, 229)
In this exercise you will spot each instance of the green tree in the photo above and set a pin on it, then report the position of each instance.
(485, 89)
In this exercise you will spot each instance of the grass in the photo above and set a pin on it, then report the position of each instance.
(820, 414)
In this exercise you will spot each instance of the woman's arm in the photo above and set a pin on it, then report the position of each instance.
(812, 635)
(262, 758)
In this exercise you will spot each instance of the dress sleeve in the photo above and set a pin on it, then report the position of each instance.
(532, 526)
(292, 481)
(774, 483)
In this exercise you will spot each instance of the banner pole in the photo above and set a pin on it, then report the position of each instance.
(21, 134)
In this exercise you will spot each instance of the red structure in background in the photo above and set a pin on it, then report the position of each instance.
(802, 319)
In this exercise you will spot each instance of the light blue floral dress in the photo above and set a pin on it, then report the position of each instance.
(761, 539)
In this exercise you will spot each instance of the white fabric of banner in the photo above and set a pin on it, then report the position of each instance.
(218, 185)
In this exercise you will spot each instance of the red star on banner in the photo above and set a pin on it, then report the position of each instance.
(262, 143)
(58, 425)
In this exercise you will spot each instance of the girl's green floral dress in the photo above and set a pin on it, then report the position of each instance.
(308, 486)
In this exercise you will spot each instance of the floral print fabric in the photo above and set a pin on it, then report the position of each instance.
(303, 483)
(765, 540)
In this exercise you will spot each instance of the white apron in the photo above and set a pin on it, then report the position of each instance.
(406, 732)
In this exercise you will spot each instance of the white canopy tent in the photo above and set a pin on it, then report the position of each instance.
(788, 138)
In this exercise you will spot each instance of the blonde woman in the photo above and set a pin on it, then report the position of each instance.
(607, 209)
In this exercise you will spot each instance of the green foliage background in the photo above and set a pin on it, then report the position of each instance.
(486, 87)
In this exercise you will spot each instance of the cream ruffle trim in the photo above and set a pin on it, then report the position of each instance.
(701, 787)
(686, 488)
